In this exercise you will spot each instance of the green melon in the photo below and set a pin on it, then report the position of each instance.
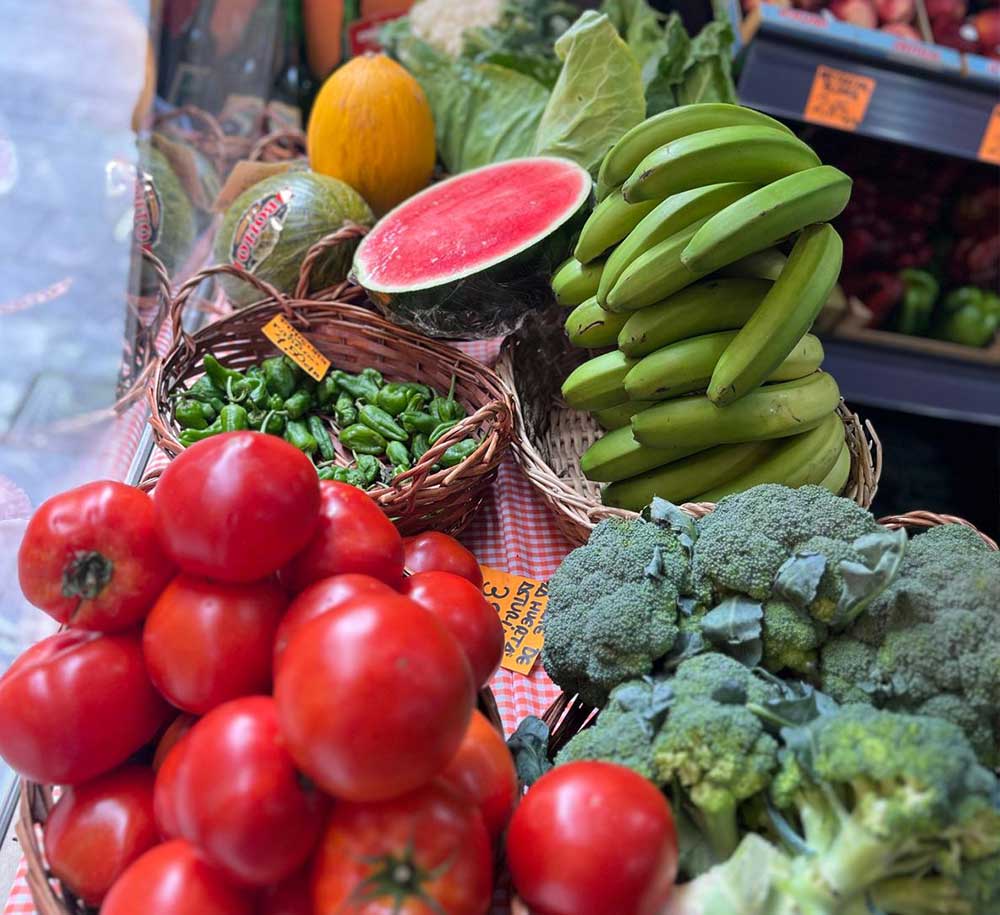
(269, 228)
(470, 257)
(164, 221)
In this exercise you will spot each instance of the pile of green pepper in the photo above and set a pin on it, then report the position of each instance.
(387, 426)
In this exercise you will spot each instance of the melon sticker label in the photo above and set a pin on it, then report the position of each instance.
(259, 229)
(148, 211)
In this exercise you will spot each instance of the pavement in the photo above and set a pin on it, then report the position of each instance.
(71, 74)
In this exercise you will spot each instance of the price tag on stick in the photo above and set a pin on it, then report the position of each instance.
(838, 98)
(520, 603)
(296, 347)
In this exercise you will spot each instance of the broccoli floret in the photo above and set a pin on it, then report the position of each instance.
(623, 732)
(613, 607)
(713, 746)
(746, 539)
(980, 885)
(928, 644)
(877, 796)
(791, 638)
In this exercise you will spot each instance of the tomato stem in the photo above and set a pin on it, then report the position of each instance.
(87, 575)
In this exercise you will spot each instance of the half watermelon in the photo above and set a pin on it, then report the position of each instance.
(471, 256)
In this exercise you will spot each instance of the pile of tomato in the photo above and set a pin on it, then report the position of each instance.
(262, 702)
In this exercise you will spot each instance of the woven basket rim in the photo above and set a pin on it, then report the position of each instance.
(576, 513)
(448, 493)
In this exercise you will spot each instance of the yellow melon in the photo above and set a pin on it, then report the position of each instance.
(372, 128)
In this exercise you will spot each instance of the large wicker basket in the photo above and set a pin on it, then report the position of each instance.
(353, 337)
(568, 715)
(550, 436)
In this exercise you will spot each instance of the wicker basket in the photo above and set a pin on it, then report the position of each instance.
(353, 338)
(550, 436)
(36, 801)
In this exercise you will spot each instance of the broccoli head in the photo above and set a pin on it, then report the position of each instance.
(744, 542)
(875, 799)
(623, 732)
(927, 645)
(791, 638)
(714, 746)
(613, 607)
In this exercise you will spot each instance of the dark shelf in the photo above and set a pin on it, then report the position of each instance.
(914, 382)
(924, 96)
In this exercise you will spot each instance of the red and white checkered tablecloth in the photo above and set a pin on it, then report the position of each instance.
(513, 532)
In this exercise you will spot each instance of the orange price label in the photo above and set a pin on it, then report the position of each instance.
(989, 148)
(520, 603)
(296, 347)
(838, 98)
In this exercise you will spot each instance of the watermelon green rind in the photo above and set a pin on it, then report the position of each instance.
(319, 206)
(485, 295)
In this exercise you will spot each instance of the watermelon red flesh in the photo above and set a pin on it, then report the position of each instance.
(470, 223)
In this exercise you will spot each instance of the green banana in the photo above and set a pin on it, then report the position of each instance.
(666, 219)
(617, 455)
(574, 282)
(687, 365)
(611, 220)
(654, 275)
(680, 480)
(840, 473)
(764, 265)
(758, 154)
(591, 327)
(711, 305)
(597, 384)
(667, 126)
(616, 417)
(768, 215)
(782, 318)
(796, 461)
(772, 411)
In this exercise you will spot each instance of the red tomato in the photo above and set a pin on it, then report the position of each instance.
(353, 536)
(593, 838)
(425, 853)
(238, 796)
(483, 770)
(465, 613)
(90, 557)
(99, 828)
(172, 880)
(290, 897)
(171, 737)
(373, 697)
(317, 599)
(77, 704)
(433, 551)
(165, 793)
(236, 507)
(206, 642)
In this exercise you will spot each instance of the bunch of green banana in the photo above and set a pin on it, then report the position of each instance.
(705, 263)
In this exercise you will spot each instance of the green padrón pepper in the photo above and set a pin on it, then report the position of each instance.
(234, 418)
(298, 404)
(458, 452)
(362, 439)
(369, 466)
(345, 411)
(376, 418)
(189, 414)
(318, 430)
(297, 434)
(418, 422)
(360, 387)
(398, 455)
(280, 378)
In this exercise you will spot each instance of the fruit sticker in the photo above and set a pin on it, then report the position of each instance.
(520, 603)
(989, 148)
(838, 98)
(259, 229)
(148, 211)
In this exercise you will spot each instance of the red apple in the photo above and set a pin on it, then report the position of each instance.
(902, 30)
(856, 12)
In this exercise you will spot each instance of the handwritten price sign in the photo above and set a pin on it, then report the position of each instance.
(520, 603)
(838, 98)
(296, 347)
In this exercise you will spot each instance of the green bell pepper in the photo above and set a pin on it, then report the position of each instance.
(914, 313)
